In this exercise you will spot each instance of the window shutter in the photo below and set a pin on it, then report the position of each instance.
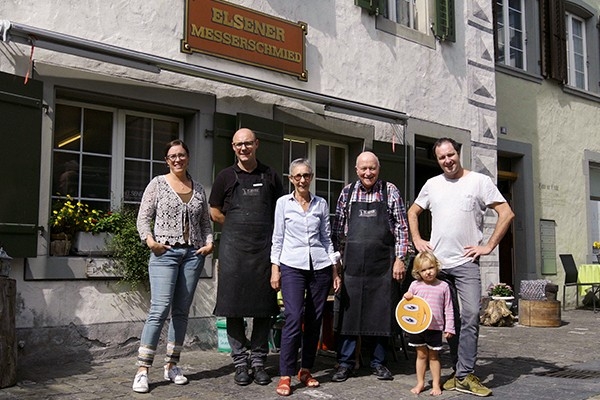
(445, 25)
(374, 7)
(393, 164)
(20, 154)
(554, 40)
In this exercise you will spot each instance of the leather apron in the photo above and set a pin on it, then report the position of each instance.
(244, 288)
(369, 292)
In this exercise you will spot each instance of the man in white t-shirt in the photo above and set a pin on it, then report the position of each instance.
(458, 199)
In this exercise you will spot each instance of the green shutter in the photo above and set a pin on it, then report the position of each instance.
(374, 7)
(553, 32)
(445, 25)
(393, 164)
(20, 154)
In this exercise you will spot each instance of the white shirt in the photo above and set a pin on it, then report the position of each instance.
(298, 234)
(457, 208)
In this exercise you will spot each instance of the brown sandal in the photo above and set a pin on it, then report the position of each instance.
(305, 377)
(283, 387)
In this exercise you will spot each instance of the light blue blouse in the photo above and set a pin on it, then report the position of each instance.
(298, 234)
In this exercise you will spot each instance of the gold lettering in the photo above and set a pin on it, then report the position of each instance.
(270, 32)
(217, 15)
(226, 38)
(226, 20)
(235, 41)
(238, 21)
(198, 32)
(280, 34)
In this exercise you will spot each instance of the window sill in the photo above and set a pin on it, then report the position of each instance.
(53, 268)
(581, 93)
(518, 73)
(70, 268)
(386, 25)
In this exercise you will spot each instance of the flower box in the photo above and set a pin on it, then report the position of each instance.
(91, 244)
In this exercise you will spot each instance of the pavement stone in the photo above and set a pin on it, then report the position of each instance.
(516, 362)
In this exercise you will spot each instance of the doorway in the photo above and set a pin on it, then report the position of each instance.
(506, 252)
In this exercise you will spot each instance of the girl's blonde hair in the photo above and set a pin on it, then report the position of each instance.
(422, 258)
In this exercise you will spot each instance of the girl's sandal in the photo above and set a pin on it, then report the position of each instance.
(283, 387)
(306, 378)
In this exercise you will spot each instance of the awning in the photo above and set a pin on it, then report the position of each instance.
(19, 33)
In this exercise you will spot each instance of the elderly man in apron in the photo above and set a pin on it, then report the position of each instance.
(243, 200)
(371, 231)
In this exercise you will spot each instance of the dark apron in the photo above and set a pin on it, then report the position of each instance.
(369, 293)
(244, 284)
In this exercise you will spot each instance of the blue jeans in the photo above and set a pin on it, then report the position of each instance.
(304, 296)
(347, 350)
(465, 285)
(174, 276)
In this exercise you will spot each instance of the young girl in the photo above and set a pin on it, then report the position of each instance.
(437, 294)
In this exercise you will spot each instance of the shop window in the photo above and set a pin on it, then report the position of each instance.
(329, 161)
(105, 157)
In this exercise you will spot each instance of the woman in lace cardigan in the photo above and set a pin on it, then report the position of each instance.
(174, 222)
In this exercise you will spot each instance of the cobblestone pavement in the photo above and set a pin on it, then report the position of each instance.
(516, 363)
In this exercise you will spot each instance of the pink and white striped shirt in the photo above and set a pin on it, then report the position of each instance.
(438, 296)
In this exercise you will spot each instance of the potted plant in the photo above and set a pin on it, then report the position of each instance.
(596, 250)
(501, 291)
(74, 225)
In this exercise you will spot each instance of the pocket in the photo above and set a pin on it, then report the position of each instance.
(467, 203)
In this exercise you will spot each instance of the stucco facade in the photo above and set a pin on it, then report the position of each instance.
(439, 88)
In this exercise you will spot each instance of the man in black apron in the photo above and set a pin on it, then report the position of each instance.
(371, 231)
(243, 200)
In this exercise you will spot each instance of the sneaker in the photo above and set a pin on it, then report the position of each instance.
(341, 375)
(175, 375)
(140, 382)
(470, 384)
(382, 373)
(450, 384)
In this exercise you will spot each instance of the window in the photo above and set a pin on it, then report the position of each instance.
(576, 52)
(403, 12)
(510, 31)
(328, 160)
(104, 156)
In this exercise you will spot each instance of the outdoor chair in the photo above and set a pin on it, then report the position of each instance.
(571, 279)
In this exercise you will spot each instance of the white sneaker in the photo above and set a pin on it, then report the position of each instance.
(140, 382)
(175, 375)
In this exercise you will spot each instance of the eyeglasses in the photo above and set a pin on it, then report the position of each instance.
(306, 177)
(173, 157)
(238, 145)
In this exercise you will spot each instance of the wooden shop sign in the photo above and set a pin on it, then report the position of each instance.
(222, 29)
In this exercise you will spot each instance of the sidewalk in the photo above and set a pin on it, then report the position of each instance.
(516, 363)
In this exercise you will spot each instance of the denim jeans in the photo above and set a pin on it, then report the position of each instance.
(465, 285)
(174, 276)
(347, 350)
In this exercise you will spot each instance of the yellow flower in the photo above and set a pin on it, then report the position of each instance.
(596, 245)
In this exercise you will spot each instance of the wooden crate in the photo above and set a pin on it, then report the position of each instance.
(541, 313)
